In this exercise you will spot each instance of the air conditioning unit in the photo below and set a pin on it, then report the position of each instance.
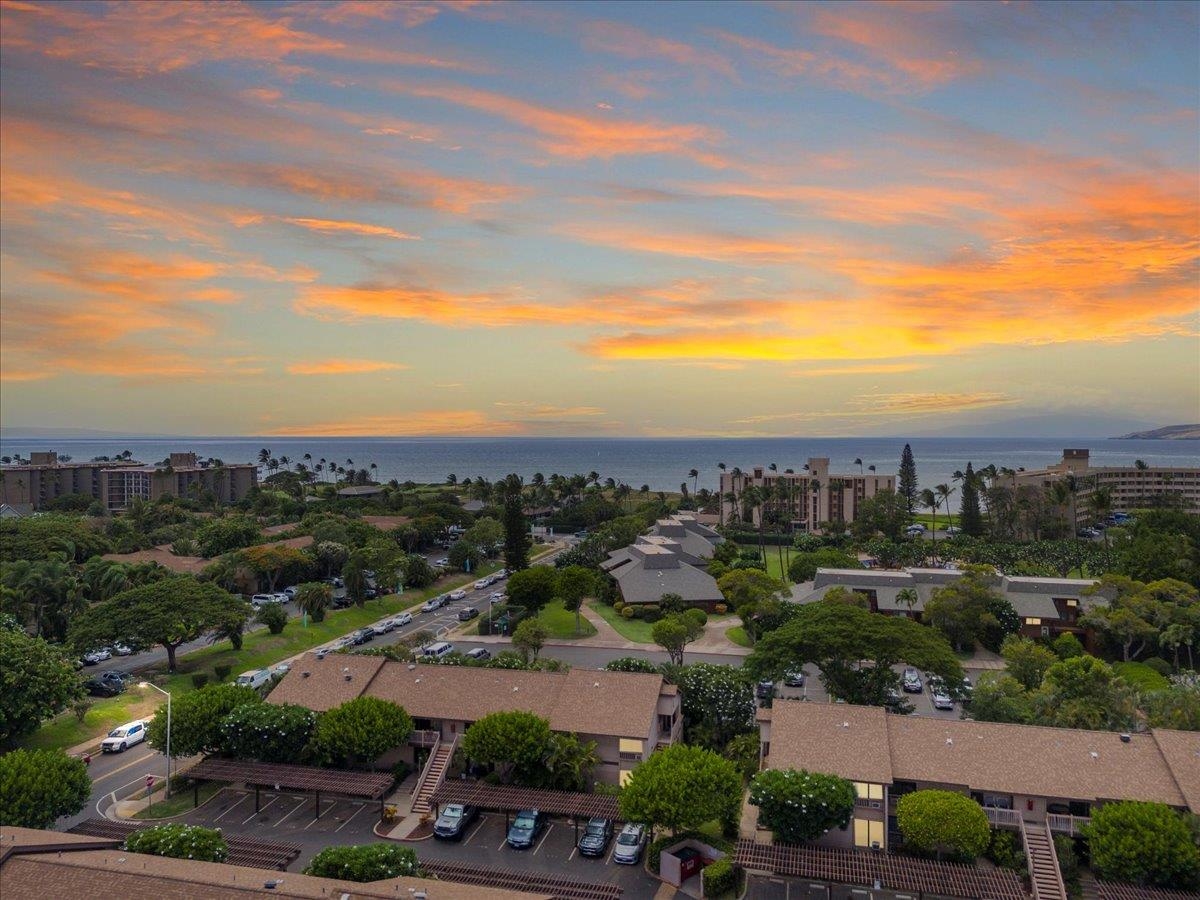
(875, 804)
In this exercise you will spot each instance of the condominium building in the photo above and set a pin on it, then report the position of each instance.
(1129, 487)
(116, 483)
(801, 500)
(671, 559)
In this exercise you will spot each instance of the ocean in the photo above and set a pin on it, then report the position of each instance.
(662, 463)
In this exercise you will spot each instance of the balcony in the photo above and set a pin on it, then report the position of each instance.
(1005, 818)
(422, 738)
(1066, 824)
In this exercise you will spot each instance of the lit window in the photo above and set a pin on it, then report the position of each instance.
(868, 791)
(629, 745)
(626, 774)
(1033, 621)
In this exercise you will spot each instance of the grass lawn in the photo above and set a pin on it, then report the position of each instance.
(738, 635)
(106, 714)
(775, 568)
(942, 521)
(180, 802)
(560, 624)
(260, 649)
(631, 629)
(1141, 676)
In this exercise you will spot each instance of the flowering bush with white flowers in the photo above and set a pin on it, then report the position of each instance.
(180, 842)
(267, 732)
(799, 805)
(365, 862)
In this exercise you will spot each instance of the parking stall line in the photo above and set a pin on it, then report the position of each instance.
(235, 805)
(261, 810)
(503, 843)
(573, 852)
(612, 850)
(543, 840)
(347, 822)
(288, 814)
(478, 828)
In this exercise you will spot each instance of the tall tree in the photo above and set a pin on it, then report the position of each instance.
(653, 793)
(36, 681)
(360, 731)
(516, 530)
(38, 786)
(970, 518)
(532, 588)
(907, 483)
(167, 613)
(572, 585)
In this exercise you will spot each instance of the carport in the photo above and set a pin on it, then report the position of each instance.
(278, 777)
(879, 870)
(508, 799)
(243, 851)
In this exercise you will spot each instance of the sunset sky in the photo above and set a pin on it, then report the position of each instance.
(611, 219)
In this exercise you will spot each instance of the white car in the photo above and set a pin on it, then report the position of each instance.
(402, 619)
(281, 597)
(953, 529)
(432, 604)
(497, 597)
(915, 530)
(281, 669)
(124, 737)
(482, 583)
(460, 594)
(261, 600)
(290, 592)
(97, 656)
(121, 650)
(444, 561)
(383, 626)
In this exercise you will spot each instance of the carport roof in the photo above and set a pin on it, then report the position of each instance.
(506, 798)
(371, 785)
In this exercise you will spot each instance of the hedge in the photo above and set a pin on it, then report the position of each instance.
(719, 878)
(180, 842)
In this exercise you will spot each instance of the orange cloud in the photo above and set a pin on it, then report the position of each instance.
(531, 410)
(728, 248)
(331, 226)
(580, 136)
(621, 39)
(419, 423)
(343, 367)
(859, 369)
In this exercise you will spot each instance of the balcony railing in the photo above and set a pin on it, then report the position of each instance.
(420, 738)
(1066, 824)
(1008, 817)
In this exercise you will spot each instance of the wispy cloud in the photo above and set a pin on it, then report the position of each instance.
(343, 367)
(332, 226)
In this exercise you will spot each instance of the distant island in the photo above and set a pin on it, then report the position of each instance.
(1166, 433)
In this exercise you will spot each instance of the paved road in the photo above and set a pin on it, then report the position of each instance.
(114, 771)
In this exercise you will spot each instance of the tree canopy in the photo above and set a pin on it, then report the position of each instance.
(717, 702)
(267, 732)
(37, 681)
(943, 820)
(364, 862)
(529, 638)
(167, 613)
(855, 650)
(961, 610)
(360, 730)
(799, 805)
(682, 787)
(196, 718)
(513, 740)
(180, 842)
(1145, 843)
(532, 588)
(38, 786)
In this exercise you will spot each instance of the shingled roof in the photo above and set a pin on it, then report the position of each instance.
(865, 743)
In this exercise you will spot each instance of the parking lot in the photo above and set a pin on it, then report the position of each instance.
(287, 816)
(922, 703)
(553, 852)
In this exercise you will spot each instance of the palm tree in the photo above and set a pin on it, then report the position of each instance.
(1100, 503)
(721, 503)
(858, 462)
(909, 597)
(943, 492)
(694, 474)
(264, 455)
(931, 501)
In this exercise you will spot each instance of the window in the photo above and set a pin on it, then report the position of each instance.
(868, 791)
(632, 750)
(624, 777)
(867, 833)
(1072, 603)
(1033, 620)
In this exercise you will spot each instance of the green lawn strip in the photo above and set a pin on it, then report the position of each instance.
(738, 635)
(775, 568)
(560, 624)
(178, 803)
(1141, 676)
(630, 629)
(106, 714)
(260, 649)
(943, 522)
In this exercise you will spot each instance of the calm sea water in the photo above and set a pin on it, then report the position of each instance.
(661, 463)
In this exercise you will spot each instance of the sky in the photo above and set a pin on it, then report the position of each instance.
(473, 218)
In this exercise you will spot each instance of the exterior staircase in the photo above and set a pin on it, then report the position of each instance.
(432, 776)
(1043, 863)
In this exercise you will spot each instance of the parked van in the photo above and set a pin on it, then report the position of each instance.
(440, 649)
(255, 678)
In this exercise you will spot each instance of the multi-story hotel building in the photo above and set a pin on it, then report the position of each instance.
(1129, 486)
(807, 498)
(116, 483)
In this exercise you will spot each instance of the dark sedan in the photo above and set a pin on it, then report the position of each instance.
(103, 687)
(525, 829)
(466, 615)
(452, 824)
(596, 835)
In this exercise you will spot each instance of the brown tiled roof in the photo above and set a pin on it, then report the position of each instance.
(624, 705)
(865, 743)
(184, 565)
(325, 686)
(1181, 750)
(850, 741)
(116, 873)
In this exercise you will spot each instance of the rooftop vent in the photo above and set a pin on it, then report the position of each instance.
(1095, 755)
(515, 689)
(411, 666)
(347, 676)
(949, 742)
(305, 674)
(595, 684)
(1125, 739)
(845, 724)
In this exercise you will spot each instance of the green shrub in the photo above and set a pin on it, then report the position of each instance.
(1067, 646)
(744, 752)
(274, 616)
(222, 672)
(1141, 676)
(1004, 850)
(267, 732)
(719, 878)
(932, 820)
(619, 605)
(720, 609)
(1146, 843)
(199, 679)
(629, 612)
(180, 842)
(364, 862)
(651, 615)
(1068, 862)
(1159, 665)
(650, 608)
(699, 616)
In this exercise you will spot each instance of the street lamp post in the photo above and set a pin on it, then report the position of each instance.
(168, 695)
